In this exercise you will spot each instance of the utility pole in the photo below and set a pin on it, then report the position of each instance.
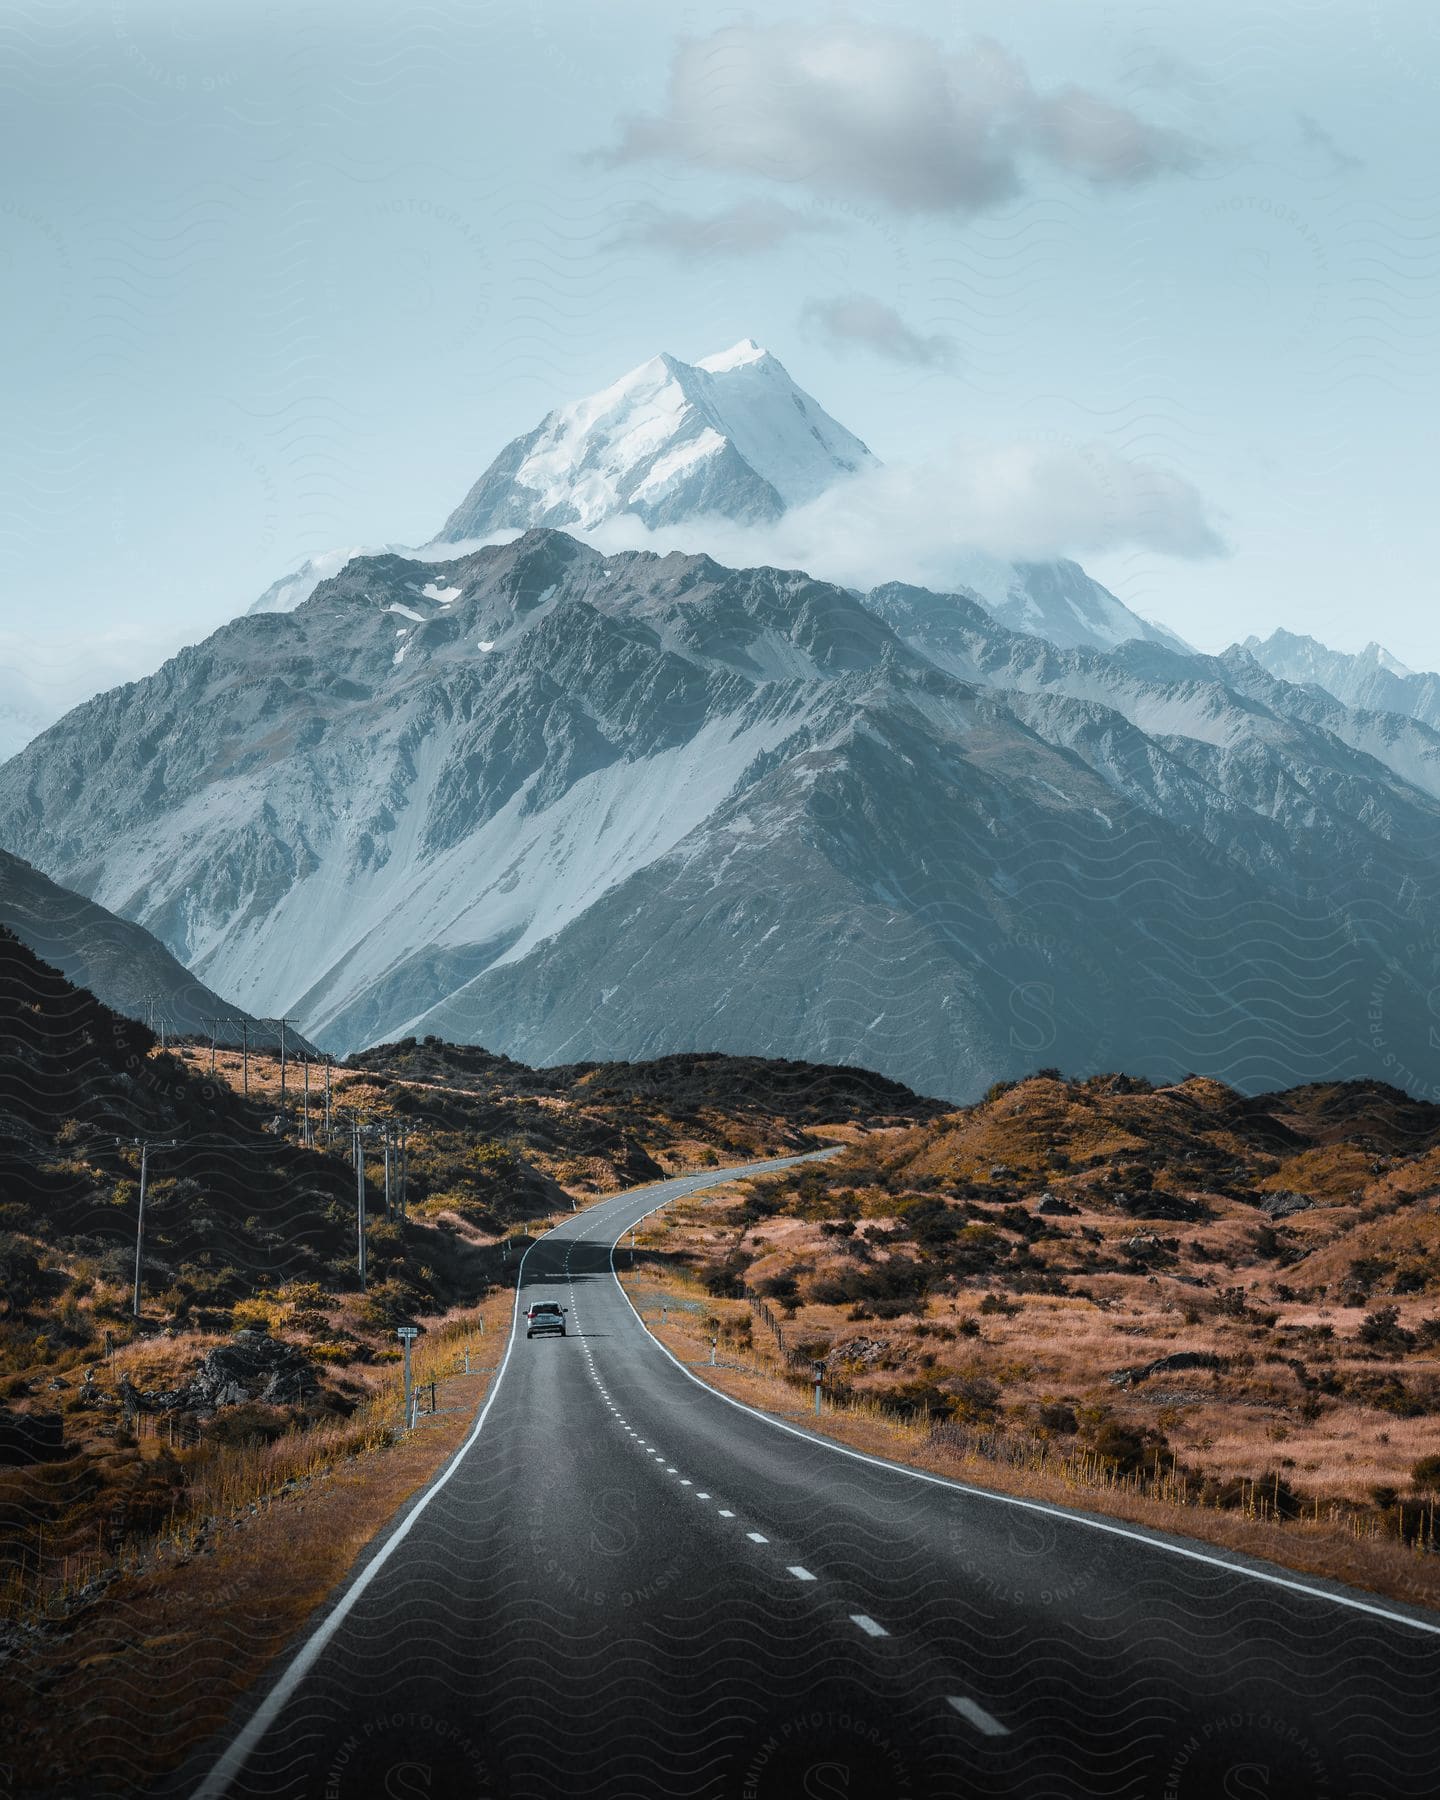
(305, 1134)
(245, 1053)
(359, 1156)
(155, 1017)
(388, 1130)
(327, 1101)
(145, 1146)
(282, 1023)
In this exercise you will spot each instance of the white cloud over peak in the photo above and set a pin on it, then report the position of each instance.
(863, 111)
(923, 523)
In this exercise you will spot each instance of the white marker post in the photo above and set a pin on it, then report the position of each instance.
(407, 1335)
(819, 1377)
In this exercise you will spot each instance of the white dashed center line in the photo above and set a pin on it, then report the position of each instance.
(799, 1573)
(977, 1716)
(756, 1538)
(726, 1515)
(868, 1625)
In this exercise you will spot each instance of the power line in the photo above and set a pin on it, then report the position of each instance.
(214, 1021)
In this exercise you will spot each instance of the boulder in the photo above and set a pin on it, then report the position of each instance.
(857, 1349)
(1283, 1205)
(1151, 1204)
(1051, 1206)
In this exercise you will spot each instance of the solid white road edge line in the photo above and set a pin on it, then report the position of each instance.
(236, 1753)
(1166, 1545)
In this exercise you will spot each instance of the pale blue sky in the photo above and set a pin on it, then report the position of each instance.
(278, 278)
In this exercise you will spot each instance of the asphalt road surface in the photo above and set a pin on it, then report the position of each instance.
(626, 1586)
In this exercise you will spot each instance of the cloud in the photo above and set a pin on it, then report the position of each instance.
(1315, 137)
(748, 228)
(859, 111)
(860, 319)
(941, 524)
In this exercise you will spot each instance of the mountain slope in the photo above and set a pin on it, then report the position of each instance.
(576, 806)
(117, 960)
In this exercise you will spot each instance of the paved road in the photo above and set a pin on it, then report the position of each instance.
(626, 1586)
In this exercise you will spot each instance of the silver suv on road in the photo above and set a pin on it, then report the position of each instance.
(545, 1315)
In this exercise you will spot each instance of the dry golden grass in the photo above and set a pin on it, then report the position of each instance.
(1333, 1543)
(197, 1614)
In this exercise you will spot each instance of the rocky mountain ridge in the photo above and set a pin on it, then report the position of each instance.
(576, 806)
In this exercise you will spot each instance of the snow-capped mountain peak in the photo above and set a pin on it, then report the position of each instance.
(731, 438)
(746, 351)
(1382, 659)
(731, 435)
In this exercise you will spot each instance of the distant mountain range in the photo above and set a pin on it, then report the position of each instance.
(569, 805)
(1372, 679)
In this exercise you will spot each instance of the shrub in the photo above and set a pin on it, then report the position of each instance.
(931, 1222)
(1382, 1330)
(19, 1272)
(784, 1288)
(248, 1424)
(726, 1280)
(1269, 1495)
(1426, 1474)
(921, 1398)
(975, 1399)
(254, 1315)
(893, 1308)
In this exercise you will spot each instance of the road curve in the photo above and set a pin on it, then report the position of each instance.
(624, 1585)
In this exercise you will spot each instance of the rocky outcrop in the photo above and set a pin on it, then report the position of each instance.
(1165, 1365)
(1285, 1205)
(250, 1366)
